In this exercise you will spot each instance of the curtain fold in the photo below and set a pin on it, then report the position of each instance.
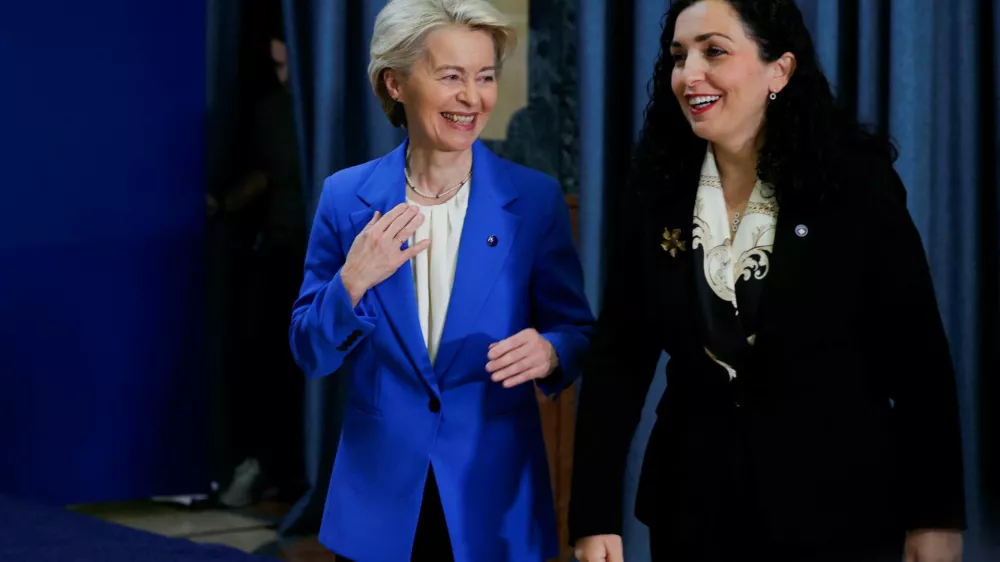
(340, 124)
(222, 95)
(618, 45)
(926, 72)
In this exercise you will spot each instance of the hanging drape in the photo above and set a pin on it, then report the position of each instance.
(101, 229)
(340, 124)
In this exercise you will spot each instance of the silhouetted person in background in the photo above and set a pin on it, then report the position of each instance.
(265, 385)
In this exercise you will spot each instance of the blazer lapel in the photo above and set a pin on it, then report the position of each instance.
(794, 231)
(673, 223)
(384, 189)
(480, 263)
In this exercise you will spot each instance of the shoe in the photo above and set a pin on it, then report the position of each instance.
(246, 480)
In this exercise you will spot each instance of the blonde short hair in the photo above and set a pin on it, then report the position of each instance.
(401, 29)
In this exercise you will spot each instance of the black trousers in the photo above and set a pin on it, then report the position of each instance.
(726, 550)
(432, 542)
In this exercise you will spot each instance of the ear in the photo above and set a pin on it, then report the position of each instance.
(781, 72)
(393, 84)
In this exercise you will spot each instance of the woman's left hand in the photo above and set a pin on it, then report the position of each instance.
(934, 546)
(523, 357)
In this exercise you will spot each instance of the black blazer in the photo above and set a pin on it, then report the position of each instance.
(844, 423)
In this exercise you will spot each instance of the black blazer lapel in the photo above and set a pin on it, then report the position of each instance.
(674, 269)
(787, 284)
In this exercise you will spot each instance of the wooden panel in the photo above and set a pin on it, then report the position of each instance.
(558, 421)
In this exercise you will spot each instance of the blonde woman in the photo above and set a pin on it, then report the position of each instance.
(443, 282)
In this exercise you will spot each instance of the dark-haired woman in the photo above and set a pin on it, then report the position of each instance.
(765, 245)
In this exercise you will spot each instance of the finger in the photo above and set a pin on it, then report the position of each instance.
(401, 220)
(526, 376)
(506, 360)
(413, 250)
(511, 370)
(391, 216)
(372, 221)
(501, 347)
(410, 227)
(594, 554)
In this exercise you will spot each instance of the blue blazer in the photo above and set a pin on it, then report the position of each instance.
(403, 413)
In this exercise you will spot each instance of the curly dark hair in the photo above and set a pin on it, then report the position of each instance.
(811, 144)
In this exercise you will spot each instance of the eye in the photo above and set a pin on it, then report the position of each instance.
(714, 52)
(451, 77)
(487, 78)
(678, 58)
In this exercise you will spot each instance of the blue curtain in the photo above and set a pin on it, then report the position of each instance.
(221, 115)
(101, 228)
(614, 73)
(340, 124)
(926, 72)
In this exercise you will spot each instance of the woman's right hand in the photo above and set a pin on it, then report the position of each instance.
(600, 548)
(377, 251)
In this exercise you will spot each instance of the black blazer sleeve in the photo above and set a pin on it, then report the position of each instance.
(910, 349)
(615, 381)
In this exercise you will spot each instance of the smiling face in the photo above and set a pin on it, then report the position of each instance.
(719, 79)
(450, 91)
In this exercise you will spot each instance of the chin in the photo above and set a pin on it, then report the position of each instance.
(457, 145)
(702, 131)
(456, 142)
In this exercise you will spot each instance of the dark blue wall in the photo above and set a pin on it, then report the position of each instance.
(101, 226)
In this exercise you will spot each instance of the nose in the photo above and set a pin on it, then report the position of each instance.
(469, 93)
(693, 71)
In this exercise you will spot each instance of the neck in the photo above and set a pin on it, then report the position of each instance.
(737, 166)
(434, 171)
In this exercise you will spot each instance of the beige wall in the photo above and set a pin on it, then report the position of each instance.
(513, 86)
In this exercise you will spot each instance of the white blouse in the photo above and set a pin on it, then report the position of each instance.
(434, 268)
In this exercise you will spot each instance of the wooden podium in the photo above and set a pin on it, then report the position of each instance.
(558, 420)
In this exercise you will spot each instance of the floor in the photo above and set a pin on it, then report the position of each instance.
(250, 530)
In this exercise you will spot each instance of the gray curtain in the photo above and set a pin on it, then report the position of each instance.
(924, 71)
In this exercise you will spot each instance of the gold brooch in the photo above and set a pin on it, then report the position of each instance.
(672, 242)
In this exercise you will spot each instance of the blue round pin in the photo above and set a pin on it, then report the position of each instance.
(801, 230)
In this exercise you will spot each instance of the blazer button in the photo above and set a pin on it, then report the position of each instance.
(434, 405)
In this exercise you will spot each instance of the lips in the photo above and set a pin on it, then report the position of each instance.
(460, 118)
(699, 104)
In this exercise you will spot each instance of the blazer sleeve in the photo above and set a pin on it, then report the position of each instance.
(616, 378)
(560, 311)
(911, 350)
(325, 326)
